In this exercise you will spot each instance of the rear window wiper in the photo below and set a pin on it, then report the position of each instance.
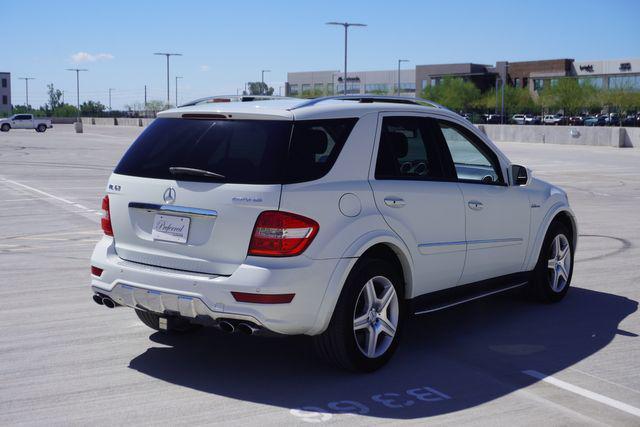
(180, 170)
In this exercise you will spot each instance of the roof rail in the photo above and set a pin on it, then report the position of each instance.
(232, 98)
(370, 99)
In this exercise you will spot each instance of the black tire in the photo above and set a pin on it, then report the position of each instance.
(338, 344)
(541, 284)
(41, 128)
(5, 127)
(174, 324)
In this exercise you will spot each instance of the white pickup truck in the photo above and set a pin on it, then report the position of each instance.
(25, 121)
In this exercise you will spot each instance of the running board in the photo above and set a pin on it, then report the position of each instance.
(447, 298)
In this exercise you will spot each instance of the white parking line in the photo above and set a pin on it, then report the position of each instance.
(584, 392)
(49, 195)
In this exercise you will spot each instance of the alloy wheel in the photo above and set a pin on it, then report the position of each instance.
(559, 263)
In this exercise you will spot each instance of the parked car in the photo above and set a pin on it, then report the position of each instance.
(576, 120)
(554, 119)
(612, 119)
(530, 119)
(493, 118)
(631, 120)
(335, 217)
(25, 121)
(518, 119)
(598, 120)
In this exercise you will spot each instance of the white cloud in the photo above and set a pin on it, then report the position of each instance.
(204, 68)
(89, 57)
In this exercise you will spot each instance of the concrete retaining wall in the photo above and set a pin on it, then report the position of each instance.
(579, 135)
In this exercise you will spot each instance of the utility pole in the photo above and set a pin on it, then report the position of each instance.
(177, 77)
(262, 89)
(26, 85)
(168, 55)
(399, 62)
(504, 81)
(346, 26)
(145, 97)
(78, 123)
(110, 89)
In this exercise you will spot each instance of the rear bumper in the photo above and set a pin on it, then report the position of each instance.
(191, 295)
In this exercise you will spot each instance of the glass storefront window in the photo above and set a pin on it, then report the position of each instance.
(625, 82)
(318, 88)
(293, 89)
(407, 87)
(596, 82)
(376, 88)
(538, 84)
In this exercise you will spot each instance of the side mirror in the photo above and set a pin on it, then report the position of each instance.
(520, 175)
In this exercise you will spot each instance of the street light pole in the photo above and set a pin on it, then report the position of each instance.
(262, 91)
(78, 123)
(346, 26)
(177, 77)
(399, 62)
(110, 89)
(26, 85)
(504, 81)
(168, 55)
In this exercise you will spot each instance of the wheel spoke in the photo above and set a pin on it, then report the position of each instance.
(563, 252)
(386, 326)
(562, 272)
(370, 295)
(361, 322)
(386, 299)
(552, 263)
(556, 246)
(372, 341)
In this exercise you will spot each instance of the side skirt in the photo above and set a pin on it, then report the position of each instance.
(446, 298)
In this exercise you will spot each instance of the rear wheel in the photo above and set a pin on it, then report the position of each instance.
(5, 127)
(364, 330)
(553, 272)
(41, 128)
(173, 324)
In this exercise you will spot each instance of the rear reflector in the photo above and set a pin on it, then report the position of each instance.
(105, 221)
(263, 298)
(96, 271)
(280, 234)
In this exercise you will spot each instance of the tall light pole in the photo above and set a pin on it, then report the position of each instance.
(26, 85)
(77, 70)
(177, 77)
(400, 61)
(110, 89)
(262, 87)
(346, 26)
(504, 81)
(168, 55)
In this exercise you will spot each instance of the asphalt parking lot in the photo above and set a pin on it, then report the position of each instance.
(501, 361)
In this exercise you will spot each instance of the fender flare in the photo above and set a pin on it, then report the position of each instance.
(346, 264)
(556, 209)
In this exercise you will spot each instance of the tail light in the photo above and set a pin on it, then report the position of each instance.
(96, 271)
(280, 234)
(105, 221)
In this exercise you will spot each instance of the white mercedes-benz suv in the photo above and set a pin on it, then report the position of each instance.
(336, 217)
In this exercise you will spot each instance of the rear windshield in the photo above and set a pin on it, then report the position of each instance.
(237, 151)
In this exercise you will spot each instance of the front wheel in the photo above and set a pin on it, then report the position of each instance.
(365, 327)
(41, 128)
(5, 127)
(553, 272)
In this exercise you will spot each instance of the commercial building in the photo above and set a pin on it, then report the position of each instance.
(534, 75)
(5, 92)
(321, 83)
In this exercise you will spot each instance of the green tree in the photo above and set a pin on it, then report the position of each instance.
(454, 93)
(92, 108)
(65, 110)
(259, 88)
(55, 96)
(570, 96)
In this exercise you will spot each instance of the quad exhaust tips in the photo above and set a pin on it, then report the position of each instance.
(247, 329)
(231, 326)
(226, 326)
(102, 300)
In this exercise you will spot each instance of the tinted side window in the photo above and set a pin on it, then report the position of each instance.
(315, 146)
(408, 150)
(473, 161)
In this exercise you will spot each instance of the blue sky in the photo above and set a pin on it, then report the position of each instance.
(227, 43)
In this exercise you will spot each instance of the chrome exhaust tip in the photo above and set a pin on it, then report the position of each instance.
(247, 329)
(108, 302)
(97, 299)
(226, 326)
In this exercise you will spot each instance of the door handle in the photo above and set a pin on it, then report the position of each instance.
(475, 205)
(394, 202)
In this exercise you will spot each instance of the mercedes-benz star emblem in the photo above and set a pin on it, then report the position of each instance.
(169, 195)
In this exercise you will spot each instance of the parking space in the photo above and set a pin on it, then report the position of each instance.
(66, 360)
